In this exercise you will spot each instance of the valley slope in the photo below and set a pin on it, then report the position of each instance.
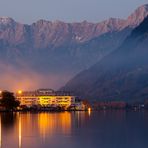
(121, 75)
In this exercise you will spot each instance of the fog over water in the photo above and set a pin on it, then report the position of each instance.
(14, 79)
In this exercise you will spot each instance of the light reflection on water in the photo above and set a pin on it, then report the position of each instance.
(48, 123)
(104, 129)
(24, 128)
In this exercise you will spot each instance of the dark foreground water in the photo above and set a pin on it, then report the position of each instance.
(104, 129)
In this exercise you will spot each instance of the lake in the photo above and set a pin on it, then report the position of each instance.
(102, 129)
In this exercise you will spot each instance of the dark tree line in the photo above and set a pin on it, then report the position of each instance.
(8, 101)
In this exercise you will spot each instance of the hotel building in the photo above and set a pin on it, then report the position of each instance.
(46, 98)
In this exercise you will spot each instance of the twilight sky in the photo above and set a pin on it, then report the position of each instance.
(28, 11)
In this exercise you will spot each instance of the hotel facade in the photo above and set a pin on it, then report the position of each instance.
(47, 98)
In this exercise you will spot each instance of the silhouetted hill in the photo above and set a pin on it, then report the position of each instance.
(122, 75)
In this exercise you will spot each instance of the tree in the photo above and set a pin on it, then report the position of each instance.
(8, 101)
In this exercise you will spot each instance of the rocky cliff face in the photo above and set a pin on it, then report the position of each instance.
(46, 34)
(138, 16)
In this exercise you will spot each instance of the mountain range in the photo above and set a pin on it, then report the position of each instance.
(48, 54)
(121, 75)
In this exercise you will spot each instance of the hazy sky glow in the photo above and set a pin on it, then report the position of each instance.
(28, 11)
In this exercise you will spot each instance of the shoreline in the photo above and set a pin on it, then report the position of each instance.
(59, 111)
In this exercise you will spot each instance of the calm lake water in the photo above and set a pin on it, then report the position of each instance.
(104, 129)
